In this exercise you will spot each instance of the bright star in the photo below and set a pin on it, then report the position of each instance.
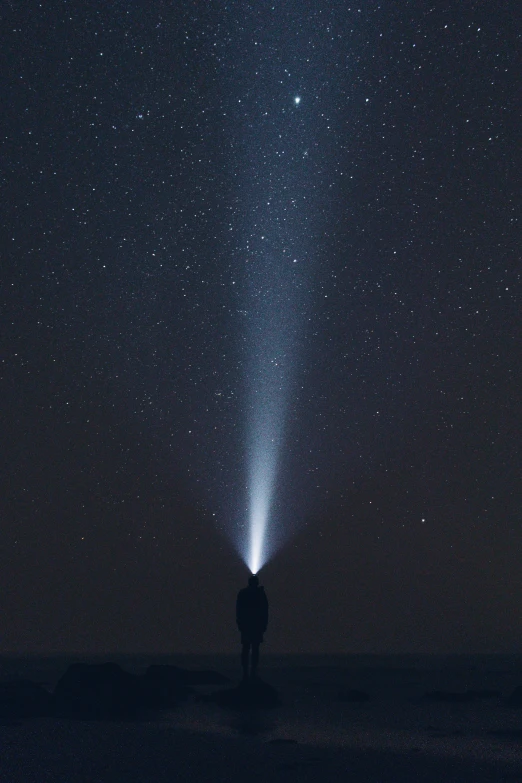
(297, 100)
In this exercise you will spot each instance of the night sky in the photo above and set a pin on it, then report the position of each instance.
(192, 192)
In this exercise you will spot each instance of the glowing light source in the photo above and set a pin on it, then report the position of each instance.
(266, 429)
(269, 369)
(275, 289)
(259, 510)
(263, 462)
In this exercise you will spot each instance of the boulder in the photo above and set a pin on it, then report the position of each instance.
(97, 691)
(163, 687)
(104, 690)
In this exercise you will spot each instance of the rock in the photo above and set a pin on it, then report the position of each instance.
(104, 690)
(163, 687)
(354, 695)
(24, 699)
(252, 693)
(97, 691)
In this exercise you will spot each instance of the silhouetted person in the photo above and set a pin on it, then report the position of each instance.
(252, 620)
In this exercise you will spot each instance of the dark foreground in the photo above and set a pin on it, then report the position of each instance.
(347, 719)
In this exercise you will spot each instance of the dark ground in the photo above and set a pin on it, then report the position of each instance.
(320, 732)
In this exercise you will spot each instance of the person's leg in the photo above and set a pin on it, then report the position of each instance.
(245, 651)
(255, 658)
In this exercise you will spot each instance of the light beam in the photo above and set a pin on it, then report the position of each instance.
(266, 431)
(271, 345)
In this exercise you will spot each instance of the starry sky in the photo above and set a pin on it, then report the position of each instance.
(216, 209)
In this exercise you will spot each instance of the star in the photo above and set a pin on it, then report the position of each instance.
(297, 100)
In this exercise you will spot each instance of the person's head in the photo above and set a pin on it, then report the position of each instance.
(253, 581)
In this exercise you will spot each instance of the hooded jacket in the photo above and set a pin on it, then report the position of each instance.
(252, 611)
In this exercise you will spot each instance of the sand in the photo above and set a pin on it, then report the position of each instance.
(318, 734)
